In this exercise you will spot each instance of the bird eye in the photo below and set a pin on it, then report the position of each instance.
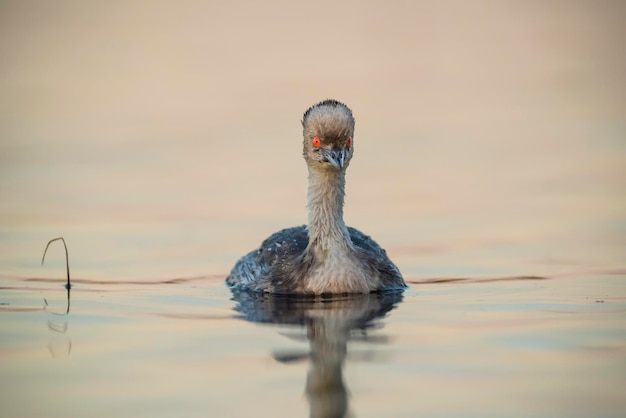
(349, 142)
(316, 141)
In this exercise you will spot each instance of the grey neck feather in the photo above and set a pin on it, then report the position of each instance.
(325, 204)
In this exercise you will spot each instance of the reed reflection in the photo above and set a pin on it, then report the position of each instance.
(330, 323)
(60, 344)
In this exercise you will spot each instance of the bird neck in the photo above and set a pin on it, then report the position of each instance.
(326, 228)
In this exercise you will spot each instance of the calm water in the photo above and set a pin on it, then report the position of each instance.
(163, 142)
(525, 347)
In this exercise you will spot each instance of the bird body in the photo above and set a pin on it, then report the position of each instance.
(325, 256)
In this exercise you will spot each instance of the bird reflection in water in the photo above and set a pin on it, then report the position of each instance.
(330, 324)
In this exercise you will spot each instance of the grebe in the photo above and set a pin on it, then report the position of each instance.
(325, 257)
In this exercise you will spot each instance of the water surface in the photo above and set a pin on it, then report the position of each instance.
(519, 347)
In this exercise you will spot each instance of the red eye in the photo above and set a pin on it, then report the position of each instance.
(316, 141)
(349, 142)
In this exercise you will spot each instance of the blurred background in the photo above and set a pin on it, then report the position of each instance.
(163, 139)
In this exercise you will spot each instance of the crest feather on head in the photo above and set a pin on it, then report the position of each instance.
(330, 119)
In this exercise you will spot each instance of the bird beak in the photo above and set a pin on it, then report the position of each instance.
(336, 157)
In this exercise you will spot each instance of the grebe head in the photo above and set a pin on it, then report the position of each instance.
(328, 130)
